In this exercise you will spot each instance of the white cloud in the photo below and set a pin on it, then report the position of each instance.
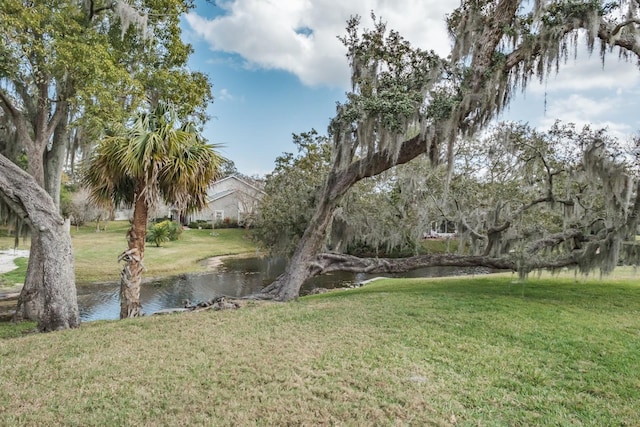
(582, 110)
(588, 73)
(300, 36)
(224, 95)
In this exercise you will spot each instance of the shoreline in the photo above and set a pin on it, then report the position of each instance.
(213, 263)
(9, 294)
(6, 265)
(7, 257)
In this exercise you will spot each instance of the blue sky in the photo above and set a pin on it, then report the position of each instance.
(277, 68)
(256, 111)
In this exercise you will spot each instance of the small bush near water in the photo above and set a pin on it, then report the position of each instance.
(165, 231)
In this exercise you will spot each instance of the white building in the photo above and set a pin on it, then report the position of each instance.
(232, 198)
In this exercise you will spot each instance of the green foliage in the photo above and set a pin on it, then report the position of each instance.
(443, 102)
(175, 230)
(201, 224)
(158, 158)
(227, 223)
(506, 194)
(291, 192)
(66, 200)
(207, 225)
(389, 78)
(22, 161)
(157, 234)
(159, 61)
(57, 55)
(228, 168)
(165, 231)
(66, 51)
(384, 215)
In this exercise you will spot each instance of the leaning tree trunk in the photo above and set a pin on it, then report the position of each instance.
(287, 286)
(50, 293)
(300, 268)
(131, 274)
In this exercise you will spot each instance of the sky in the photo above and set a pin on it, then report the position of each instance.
(278, 68)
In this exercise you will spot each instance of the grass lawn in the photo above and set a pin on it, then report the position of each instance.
(15, 276)
(472, 351)
(96, 253)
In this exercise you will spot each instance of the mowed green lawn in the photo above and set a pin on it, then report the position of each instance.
(472, 351)
(96, 253)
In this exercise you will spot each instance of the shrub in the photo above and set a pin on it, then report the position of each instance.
(175, 230)
(222, 223)
(227, 223)
(201, 223)
(164, 231)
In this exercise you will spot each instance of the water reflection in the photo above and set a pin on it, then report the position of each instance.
(236, 278)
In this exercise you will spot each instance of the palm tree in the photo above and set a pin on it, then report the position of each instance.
(153, 159)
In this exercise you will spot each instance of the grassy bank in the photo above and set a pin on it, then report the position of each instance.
(96, 253)
(476, 351)
(10, 278)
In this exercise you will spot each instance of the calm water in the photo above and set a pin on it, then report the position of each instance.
(236, 278)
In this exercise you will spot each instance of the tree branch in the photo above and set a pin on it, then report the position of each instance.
(17, 118)
(473, 232)
(628, 42)
(8, 106)
(58, 115)
(330, 262)
(623, 24)
(376, 164)
(25, 197)
(42, 113)
(27, 99)
(554, 240)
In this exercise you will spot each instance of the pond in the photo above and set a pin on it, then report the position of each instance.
(237, 277)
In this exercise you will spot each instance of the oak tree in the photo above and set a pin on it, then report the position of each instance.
(498, 47)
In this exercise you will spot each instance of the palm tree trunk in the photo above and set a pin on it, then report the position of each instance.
(130, 280)
(131, 275)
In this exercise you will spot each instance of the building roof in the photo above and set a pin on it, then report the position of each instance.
(220, 195)
(244, 181)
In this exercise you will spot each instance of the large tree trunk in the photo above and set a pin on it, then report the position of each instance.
(31, 302)
(35, 144)
(299, 269)
(50, 292)
(287, 286)
(131, 275)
